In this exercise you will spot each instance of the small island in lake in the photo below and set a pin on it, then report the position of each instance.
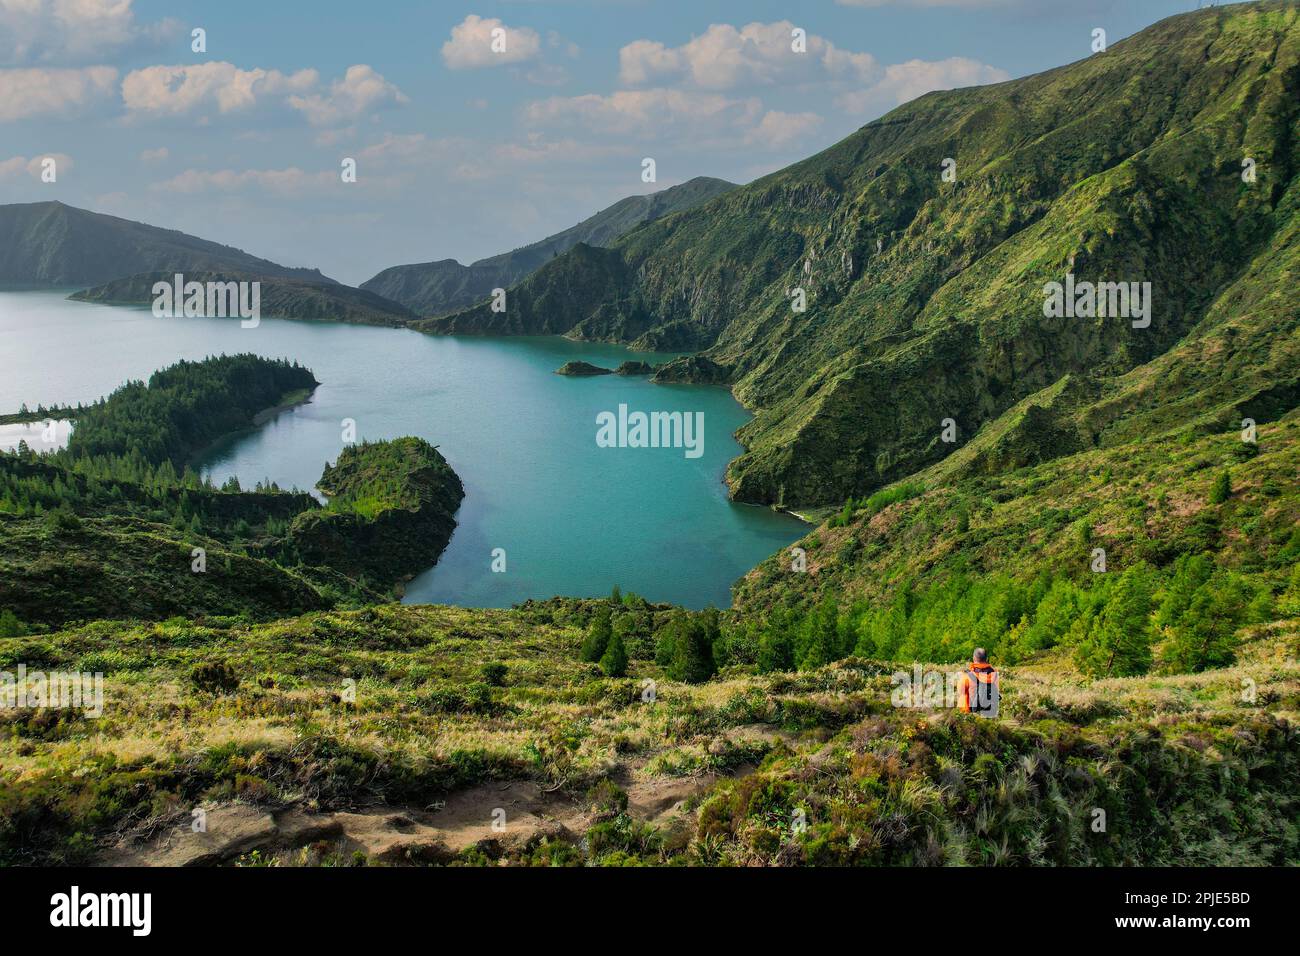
(582, 368)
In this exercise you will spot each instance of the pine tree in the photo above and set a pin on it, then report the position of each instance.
(1117, 642)
(1204, 636)
(818, 643)
(614, 661)
(775, 649)
(10, 626)
(598, 634)
(1191, 572)
(689, 640)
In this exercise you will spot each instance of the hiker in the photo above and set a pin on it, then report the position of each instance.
(977, 687)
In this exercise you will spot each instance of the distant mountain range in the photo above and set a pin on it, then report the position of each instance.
(281, 298)
(437, 288)
(48, 243)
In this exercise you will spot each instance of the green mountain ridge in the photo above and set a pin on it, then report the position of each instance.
(436, 288)
(925, 298)
(52, 244)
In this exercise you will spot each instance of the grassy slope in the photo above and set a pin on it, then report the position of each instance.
(1148, 500)
(127, 568)
(1186, 770)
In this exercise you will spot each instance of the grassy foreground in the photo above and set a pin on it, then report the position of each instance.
(426, 716)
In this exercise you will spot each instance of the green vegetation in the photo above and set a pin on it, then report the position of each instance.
(118, 526)
(582, 369)
(1117, 522)
(614, 661)
(184, 408)
(929, 570)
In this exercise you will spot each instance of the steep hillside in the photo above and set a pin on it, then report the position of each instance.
(949, 559)
(436, 288)
(67, 569)
(279, 297)
(926, 297)
(48, 243)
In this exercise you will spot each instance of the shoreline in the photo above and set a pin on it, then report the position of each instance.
(287, 401)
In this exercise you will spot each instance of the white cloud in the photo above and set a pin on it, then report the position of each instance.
(644, 112)
(757, 54)
(224, 88)
(182, 90)
(760, 55)
(470, 46)
(536, 148)
(72, 31)
(906, 81)
(359, 92)
(778, 130)
(547, 74)
(415, 149)
(155, 155)
(52, 92)
(116, 201)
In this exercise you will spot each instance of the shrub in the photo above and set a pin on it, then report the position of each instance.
(685, 646)
(62, 519)
(215, 677)
(1222, 489)
(10, 626)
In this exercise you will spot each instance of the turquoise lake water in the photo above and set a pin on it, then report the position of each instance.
(573, 518)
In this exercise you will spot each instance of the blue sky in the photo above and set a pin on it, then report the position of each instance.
(461, 151)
